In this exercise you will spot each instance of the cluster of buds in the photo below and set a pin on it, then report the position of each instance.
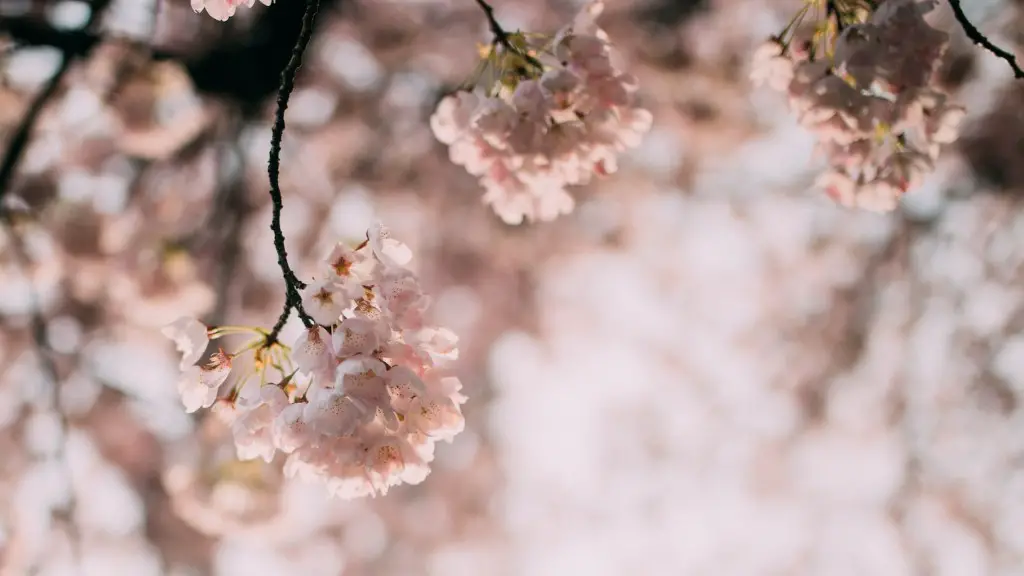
(359, 400)
(558, 112)
(868, 94)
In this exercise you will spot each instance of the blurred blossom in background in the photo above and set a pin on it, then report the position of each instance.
(708, 368)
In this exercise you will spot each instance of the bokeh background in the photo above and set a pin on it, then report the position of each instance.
(707, 369)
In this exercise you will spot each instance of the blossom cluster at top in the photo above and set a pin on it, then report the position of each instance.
(361, 397)
(870, 98)
(559, 114)
(223, 9)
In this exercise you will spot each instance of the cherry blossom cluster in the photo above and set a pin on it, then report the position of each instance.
(360, 399)
(559, 114)
(223, 9)
(870, 97)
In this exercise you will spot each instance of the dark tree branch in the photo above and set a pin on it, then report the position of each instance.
(20, 139)
(292, 284)
(33, 32)
(980, 39)
(243, 68)
(502, 37)
(239, 69)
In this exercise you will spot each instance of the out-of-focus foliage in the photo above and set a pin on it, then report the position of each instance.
(706, 369)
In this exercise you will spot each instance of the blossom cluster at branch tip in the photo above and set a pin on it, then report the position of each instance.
(538, 130)
(223, 9)
(871, 99)
(358, 402)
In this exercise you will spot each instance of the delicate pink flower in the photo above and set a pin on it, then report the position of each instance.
(198, 385)
(874, 106)
(334, 413)
(399, 353)
(440, 343)
(291, 430)
(561, 84)
(363, 410)
(440, 382)
(400, 295)
(944, 124)
(390, 461)
(361, 378)
(526, 146)
(225, 410)
(190, 338)
(584, 23)
(355, 336)
(585, 54)
(453, 116)
(223, 9)
(312, 351)
(404, 386)
(249, 395)
(347, 266)
(253, 430)
(194, 393)
(436, 416)
(770, 66)
(389, 251)
(531, 101)
(324, 301)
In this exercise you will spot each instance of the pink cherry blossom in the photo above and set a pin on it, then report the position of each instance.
(436, 416)
(358, 401)
(253, 430)
(386, 249)
(404, 386)
(199, 385)
(440, 343)
(223, 9)
(290, 429)
(324, 301)
(771, 67)
(390, 461)
(334, 413)
(194, 393)
(312, 351)
(356, 336)
(190, 337)
(880, 119)
(527, 144)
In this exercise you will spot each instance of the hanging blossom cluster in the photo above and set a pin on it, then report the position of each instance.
(224, 9)
(558, 113)
(359, 401)
(865, 84)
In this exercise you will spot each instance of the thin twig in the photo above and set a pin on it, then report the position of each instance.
(19, 141)
(502, 37)
(276, 330)
(980, 39)
(292, 283)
